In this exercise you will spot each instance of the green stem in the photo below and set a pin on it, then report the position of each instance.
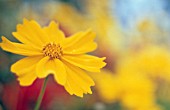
(40, 97)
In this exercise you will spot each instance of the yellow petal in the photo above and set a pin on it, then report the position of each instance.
(17, 48)
(24, 65)
(87, 62)
(83, 49)
(72, 88)
(27, 78)
(48, 66)
(25, 70)
(43, 67)
(54, 33)
(79, 43)
(31, 33)
(60, 72)
(78, 82)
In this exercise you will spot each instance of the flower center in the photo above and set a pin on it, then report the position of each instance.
(53, 50)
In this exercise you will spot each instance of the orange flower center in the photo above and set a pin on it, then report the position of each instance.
(53, 50)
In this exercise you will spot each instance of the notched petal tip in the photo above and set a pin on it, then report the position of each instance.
(53, 23)
(103, 58)
(14, 33)
(19, 27)
(81, 96)
(25, 20)
(3, 38)
(12, 68)
(22, 83)
(104, 63)
(78, 95)
(88, 91)
(78, 82)
(92, 84)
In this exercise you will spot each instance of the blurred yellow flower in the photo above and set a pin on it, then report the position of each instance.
(134, 91)
(138, 92)
(97, 17)
(107, 86)
(49, 52)
(153, 61)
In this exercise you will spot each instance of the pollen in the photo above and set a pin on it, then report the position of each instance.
(53, 50)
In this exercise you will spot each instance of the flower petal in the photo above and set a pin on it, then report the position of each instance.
(48, 66)
(24, 65)
(17, 48)
(28, 78)
(54, 33)
(31, 33)
(79, 43)
(87, 62)
(78, 82)
(60, 72)
(43, 67)
(25, 70)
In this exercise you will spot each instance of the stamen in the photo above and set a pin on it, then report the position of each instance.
(53, 50)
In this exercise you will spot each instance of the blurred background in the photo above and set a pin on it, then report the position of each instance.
(132, 34)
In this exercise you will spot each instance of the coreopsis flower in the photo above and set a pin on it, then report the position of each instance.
(107, 86)
(153, 61)
(129, 88)
(110, 33)
(48, 51)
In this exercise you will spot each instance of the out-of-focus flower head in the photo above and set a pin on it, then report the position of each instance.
(138, 91)
(94, 16)
(134, 91)
(107, 86)
(151, 60)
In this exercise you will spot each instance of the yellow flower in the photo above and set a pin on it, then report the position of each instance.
(47, 52)
(107, 86)
(153, 61)
(128, 88)
(95, 17)
(137, 87)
